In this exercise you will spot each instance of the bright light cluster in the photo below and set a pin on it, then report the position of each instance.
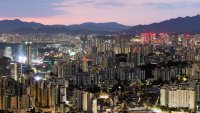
(38, 78)
(22, 59)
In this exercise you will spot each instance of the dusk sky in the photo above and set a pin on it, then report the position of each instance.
(128, 12)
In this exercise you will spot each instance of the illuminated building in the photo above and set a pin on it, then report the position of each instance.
(117, 50)
(192, 100)
(84, 101)
(193, 70)
(8, 52)
(85, 64)
(105, 62)
(5, 66)
(71, 69)
(94, 106)
(60, 71)
(163, 97)
(28, 53)
(178, 97)
(15, 70)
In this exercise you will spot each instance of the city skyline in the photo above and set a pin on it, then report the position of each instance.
(52, 63)
(79, 11)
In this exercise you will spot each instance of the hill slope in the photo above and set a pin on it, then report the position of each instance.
(9, 25)
(109, 26)
(20, 27)
(177, 25)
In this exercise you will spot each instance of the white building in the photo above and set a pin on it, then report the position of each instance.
(94, 106)
(85, 101)
(192, 99)
(163, 97)
(176, 97)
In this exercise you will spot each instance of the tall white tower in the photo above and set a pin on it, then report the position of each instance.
(28, 53)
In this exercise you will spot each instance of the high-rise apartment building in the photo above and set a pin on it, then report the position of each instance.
(178, 97)
(28, 53)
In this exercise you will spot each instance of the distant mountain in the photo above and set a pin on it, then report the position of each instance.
(109, 26)
(9, 25)
(177, 25)
(20, 27)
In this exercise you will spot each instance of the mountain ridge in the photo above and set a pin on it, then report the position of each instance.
(108, 26)
(20, 27)
(9, 25)
(174, 25)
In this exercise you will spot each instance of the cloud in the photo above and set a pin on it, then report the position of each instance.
(166, 6)
(30, 8)
(171, 5)
(94, 3)
(85, 1)
(49, 8)
(109, 4)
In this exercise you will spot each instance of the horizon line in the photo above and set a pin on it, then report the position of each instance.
(24, 20)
